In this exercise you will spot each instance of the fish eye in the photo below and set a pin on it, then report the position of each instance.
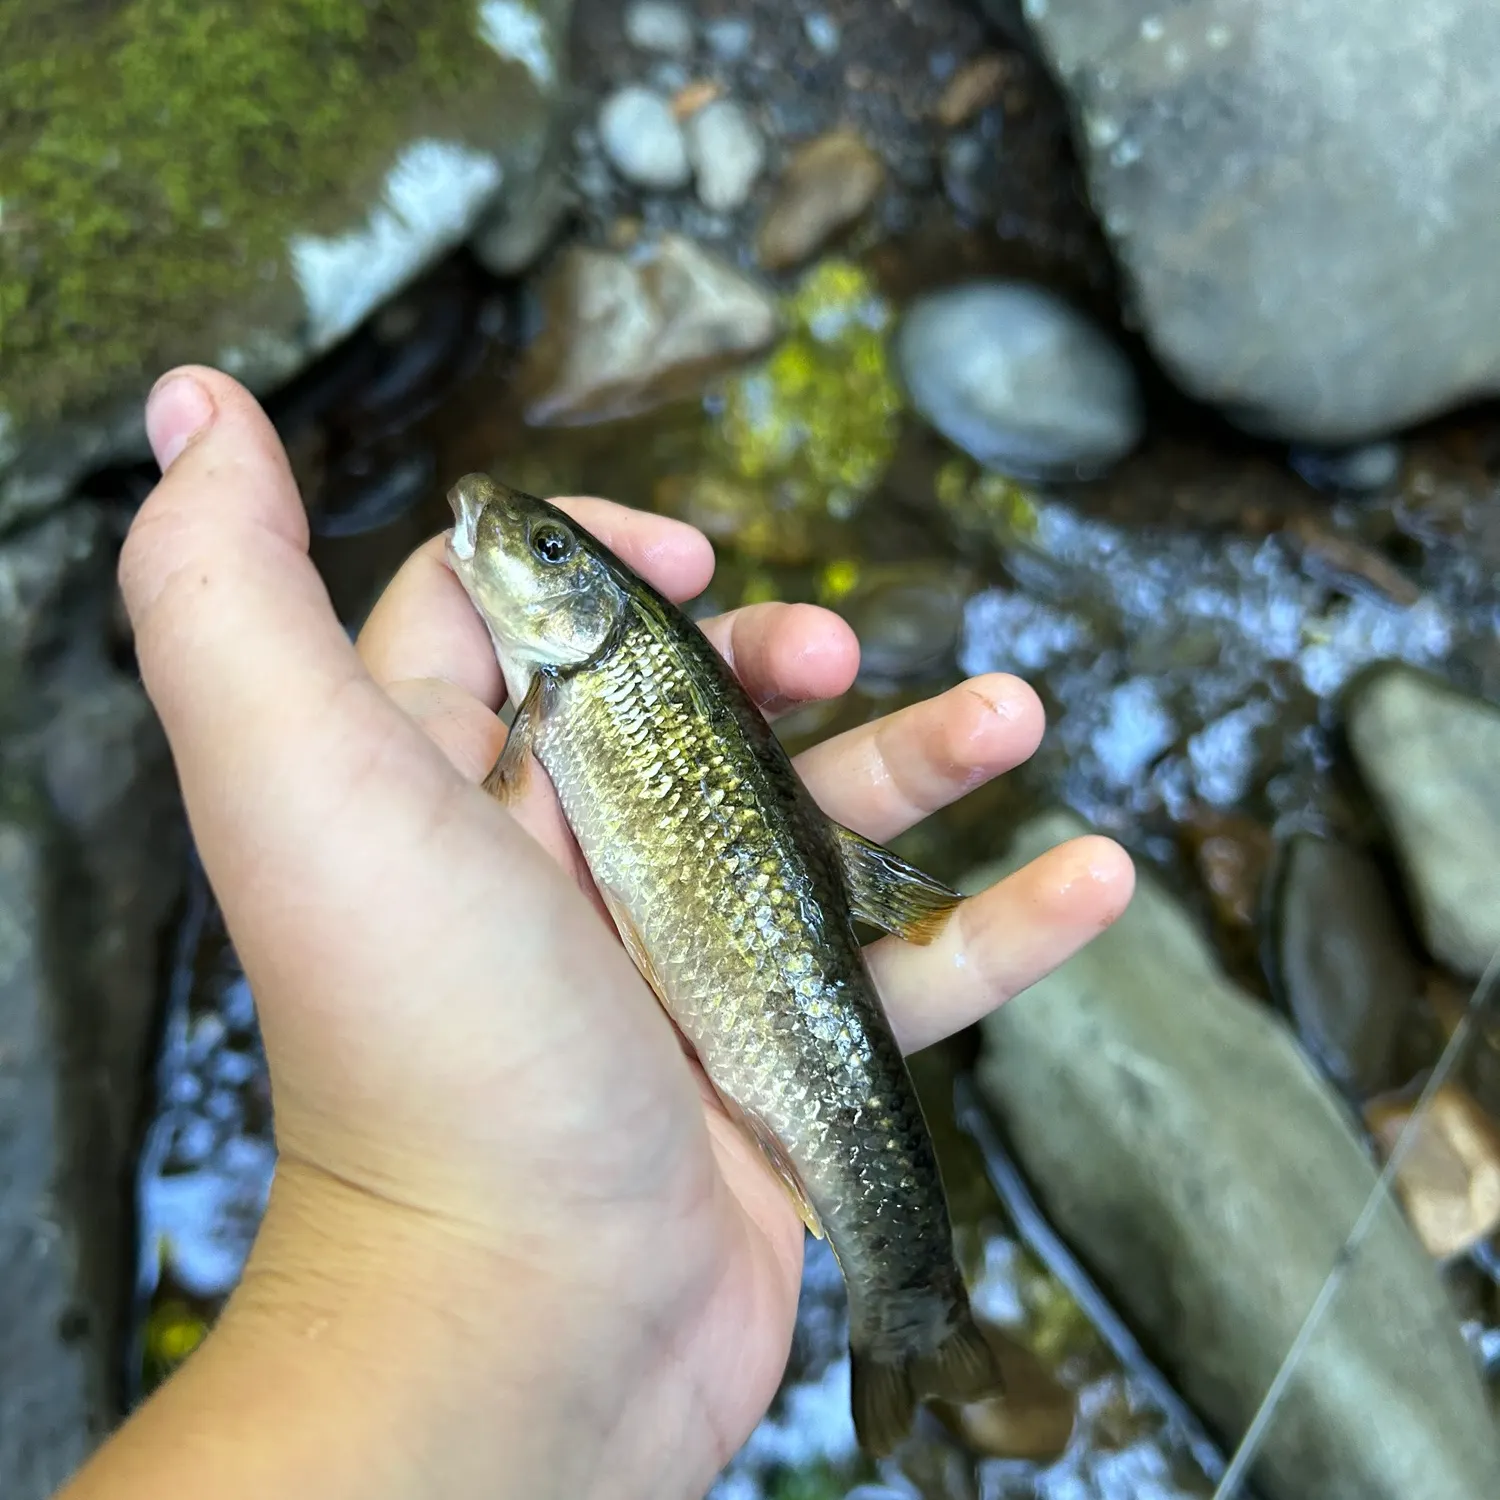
(551, 543)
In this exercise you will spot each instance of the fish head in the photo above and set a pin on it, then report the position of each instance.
(549, 593)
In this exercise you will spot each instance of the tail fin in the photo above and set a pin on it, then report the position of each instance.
(884, 1393)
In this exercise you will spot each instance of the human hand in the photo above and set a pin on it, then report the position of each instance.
(514, 1245)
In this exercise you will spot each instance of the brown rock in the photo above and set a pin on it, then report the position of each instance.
(828, 184)
(1449, 1177)
(976, 85)
(1033, 1419)
(629, 331)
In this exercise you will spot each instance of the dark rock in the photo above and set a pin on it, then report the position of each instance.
(244, 193)
(1431, 758)
(90, 850)
(1303, 197)
(1342, 962)
(1179, 1139)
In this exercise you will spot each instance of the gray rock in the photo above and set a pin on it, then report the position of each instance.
(642, 139)
(627, 332)
(1342, 962)
(730, 37)
(1019, 380)
(1304, 196)
(659, 26)
(1365, 470)
(1181, 1141)
(823, 32)
(1431, 759)
(275, 236)
(90, 858)
(727, 152)
(512, 235)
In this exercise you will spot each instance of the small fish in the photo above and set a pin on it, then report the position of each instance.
(736, 897)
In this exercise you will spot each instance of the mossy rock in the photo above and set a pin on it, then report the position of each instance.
(241, 185)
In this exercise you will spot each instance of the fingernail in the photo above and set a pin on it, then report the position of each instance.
(176, 412)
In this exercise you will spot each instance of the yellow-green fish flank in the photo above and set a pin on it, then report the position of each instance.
(737, 898)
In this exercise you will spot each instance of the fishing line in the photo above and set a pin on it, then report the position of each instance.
(1255, 1435)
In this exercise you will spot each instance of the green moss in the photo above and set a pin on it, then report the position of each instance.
(817, 422)
(155, 154)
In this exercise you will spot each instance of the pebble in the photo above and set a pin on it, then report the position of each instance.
(1431, 758)
(1020, 380)
(1342, 966)
(908, 618)
(659, 26)
(1365, 470)
(727, 153)
(642, 139)
(1449, 1176)
(828, 184)
(729, 37)
(823, 32)
(974, 87)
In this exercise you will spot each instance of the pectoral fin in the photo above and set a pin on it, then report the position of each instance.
(507, 778)
(891, 894)
(778, 1160)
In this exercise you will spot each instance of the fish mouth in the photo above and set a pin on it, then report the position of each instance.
(467, 499)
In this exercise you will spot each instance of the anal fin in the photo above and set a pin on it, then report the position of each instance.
(778, 1161)
(630, 937)
(891, 893)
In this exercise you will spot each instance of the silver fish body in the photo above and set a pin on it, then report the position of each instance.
(736, 897)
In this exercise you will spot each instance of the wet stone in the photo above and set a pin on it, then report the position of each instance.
(727, 153)
(1449, 1176)
(1279, 183)
(828, 185)
(627, 331)
(642, 139)
(1179, 1139)
(908, 618)
(659, 26)
(1019, 379)
(1431, 759)
(1365, 470)
(1343, 965)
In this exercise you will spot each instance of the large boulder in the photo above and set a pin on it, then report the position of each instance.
(1183, 1143)
(238, 185)
(1304, 196)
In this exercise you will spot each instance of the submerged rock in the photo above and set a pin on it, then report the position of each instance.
(642, 139)
(659, 26)
(828, 185)
(1431, 758)
(1342, 963)
(243, 193)
(727, 153)
(1183, 1144)
(1019, 380)
(1449, 1177)
(1305, 197)
(626, 332)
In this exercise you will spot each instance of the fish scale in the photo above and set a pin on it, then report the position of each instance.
(786, 972)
